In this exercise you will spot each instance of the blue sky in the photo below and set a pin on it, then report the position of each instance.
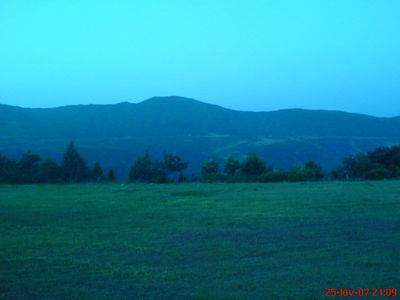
(247, 55)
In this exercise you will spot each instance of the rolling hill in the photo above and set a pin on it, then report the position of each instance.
(115, 134)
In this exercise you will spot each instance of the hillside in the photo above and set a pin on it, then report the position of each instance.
(115, 134)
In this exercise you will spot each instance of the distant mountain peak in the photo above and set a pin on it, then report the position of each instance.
(169, 99)
(177, 102)
(125, 103)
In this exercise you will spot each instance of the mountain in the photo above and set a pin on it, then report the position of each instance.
(116, 134)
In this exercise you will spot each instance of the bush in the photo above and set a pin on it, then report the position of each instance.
(297, 174)
(236, 179)
(274, 176)
(378, 174)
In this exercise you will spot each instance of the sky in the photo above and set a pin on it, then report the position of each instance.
(257, 55)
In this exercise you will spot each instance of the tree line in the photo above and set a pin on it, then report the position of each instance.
(253, 168)
(31, 168)
(381, 163)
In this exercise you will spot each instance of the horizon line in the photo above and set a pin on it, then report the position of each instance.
(206, 103)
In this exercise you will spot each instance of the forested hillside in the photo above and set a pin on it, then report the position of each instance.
(115, 134)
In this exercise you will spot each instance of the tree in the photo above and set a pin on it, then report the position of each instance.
(48, 172)
(210, 170)
(253, 166)
(173, 163)
(144, 169)
(381, 163)
(387, 158)
(181, 177)
(28, 167)
(9, 172)
(232, 166)
(74, 167)
(111, 175)
(97, 172)
(357, 166)
(297, 173)
(313, 171)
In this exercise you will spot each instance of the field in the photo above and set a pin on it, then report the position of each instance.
(198, 241)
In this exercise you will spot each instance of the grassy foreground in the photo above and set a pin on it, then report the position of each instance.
(198, 241)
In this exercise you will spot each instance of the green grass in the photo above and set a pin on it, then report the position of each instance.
(198, 241)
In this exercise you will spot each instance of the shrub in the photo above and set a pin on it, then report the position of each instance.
(378, 173)
(274, 176)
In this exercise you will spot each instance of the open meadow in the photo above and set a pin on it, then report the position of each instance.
(198, 240)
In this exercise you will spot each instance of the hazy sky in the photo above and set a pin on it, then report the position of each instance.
(250, 55)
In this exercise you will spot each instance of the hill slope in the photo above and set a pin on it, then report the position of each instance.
(115, 134)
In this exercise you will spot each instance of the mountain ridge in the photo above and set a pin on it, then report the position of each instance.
(115, 134)
(159, 99)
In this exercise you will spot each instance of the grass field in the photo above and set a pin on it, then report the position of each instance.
(198, 241)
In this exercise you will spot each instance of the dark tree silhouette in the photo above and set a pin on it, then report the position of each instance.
(74, 167)
(232, 166)
(48, 172)
(210, 170)
(181, 177)
(9, 171)
(172, 164)
(313, 170)
(111, 175)
(143, 169)
(28, 167)
(97, 173)
(387, 160)
(253, 166)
